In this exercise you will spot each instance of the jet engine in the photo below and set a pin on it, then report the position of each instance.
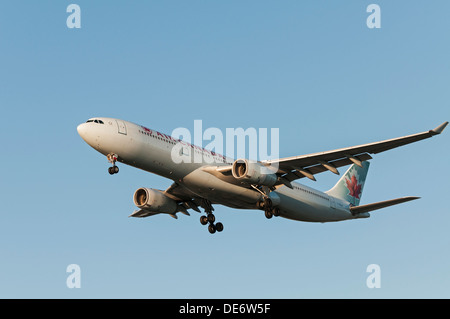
(253, 173)
(154, 200)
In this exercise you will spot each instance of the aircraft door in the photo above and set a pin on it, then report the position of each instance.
(121, 127)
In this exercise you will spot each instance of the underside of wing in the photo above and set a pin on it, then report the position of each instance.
(179, 193)
(142, 213)
(184, 197)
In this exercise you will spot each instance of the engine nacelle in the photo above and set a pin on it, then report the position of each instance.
(253, 173)
(154, 200)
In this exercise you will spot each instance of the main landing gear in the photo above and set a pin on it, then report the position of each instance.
(210, 218)
(269, 209)
(112, 158)
(266, 204)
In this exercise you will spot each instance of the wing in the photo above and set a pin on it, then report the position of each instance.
(292, 168)
(183, 196)
(142, 213)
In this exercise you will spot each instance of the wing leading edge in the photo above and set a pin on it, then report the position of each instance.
(308, 165)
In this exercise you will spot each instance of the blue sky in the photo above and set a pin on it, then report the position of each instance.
(313, 70)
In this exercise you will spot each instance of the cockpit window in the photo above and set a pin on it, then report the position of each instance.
(95, 121)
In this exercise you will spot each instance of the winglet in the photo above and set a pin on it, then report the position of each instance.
(439, 129)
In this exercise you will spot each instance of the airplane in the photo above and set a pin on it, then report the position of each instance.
(266, 185)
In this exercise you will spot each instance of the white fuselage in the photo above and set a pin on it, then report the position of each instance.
(151, 151)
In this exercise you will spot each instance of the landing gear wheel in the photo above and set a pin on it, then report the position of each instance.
(211, 218)
(276, 211)
(211, 228)
(267, 203)
(203, 220)
(219, 227)
(268, 214)
(113, 170)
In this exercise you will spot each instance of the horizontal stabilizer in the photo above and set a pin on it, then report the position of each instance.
(374, 206)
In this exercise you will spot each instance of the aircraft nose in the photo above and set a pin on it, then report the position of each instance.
(82, 130)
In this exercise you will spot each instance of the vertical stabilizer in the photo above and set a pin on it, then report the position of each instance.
(351, 184)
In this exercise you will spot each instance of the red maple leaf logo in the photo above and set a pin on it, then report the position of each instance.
(353, 187)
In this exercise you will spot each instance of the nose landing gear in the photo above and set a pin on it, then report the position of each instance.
(112, 158)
